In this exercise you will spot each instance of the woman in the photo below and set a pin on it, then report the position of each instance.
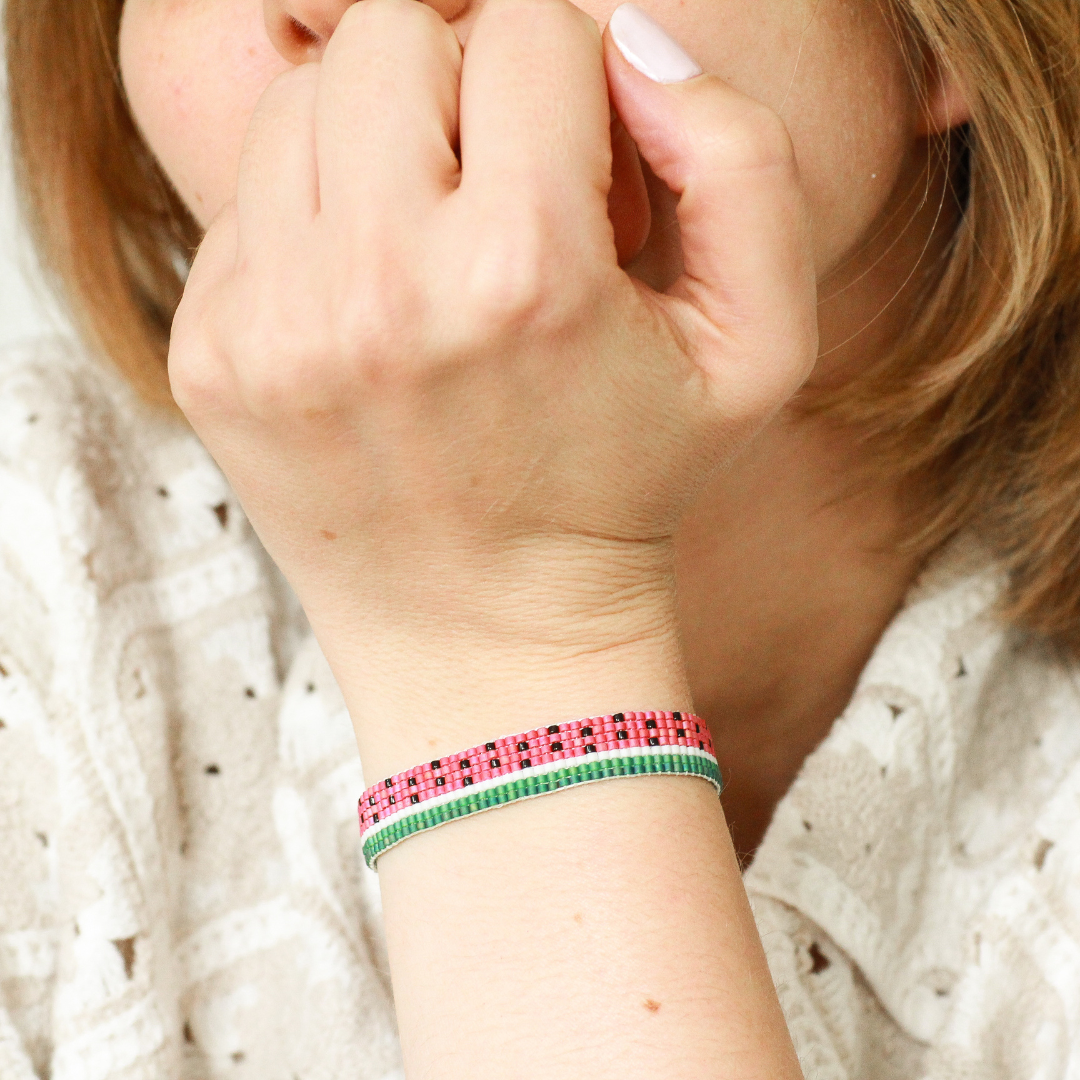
(491, 370)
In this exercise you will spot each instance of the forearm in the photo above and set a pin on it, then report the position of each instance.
(602, 931)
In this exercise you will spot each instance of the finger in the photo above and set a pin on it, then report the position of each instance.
(386, 120)
(744, 221)
(535, 114)
(278, 184)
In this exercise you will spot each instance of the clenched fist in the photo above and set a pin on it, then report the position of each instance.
(454, 421)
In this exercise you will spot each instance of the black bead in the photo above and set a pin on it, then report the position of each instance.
(554, 729)
(590, 748)
(467, 781)
(489, 746)
(676, 717)
(392, 799)
(374, 817)
(654, 742)
(389, 783)
(371, 802)
(464, 763)
(622, 735)
(412, 781)
(681, 732)
(556, 747)
(494, 763)
(700, 745)
(523, 746)
(414, 799)
(697, 728)
(586, 732)
(436, 764)
(650, 723)
(617, 717)
(525, 762)
(440, 781)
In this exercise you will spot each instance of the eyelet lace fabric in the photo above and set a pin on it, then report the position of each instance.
(182, 892)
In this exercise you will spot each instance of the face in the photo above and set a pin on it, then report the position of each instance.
(833, 69)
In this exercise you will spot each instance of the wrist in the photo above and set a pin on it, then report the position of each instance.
(448, 705)
(505, 656)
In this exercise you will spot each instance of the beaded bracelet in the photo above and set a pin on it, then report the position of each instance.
(535, 763)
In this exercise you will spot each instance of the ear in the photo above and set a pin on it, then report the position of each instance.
(946, 105)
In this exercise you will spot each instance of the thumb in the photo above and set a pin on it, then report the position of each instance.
(747, 299)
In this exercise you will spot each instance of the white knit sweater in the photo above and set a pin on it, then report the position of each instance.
(181, 888)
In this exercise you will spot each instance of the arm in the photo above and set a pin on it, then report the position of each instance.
(467, 437)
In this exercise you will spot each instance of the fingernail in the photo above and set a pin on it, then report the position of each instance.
(648, 47)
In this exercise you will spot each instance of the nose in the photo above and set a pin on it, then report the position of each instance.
(300, 29)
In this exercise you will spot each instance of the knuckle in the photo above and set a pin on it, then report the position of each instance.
(376, 15)
(198, 374)
(284, 87)
(523, 280)
(756, 139)
(547, 12)
(504, 285)
(284, 369)
(309, 358)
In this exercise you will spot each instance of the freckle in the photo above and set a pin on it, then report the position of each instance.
(652, 1006)
(327, 534)
(577, 917)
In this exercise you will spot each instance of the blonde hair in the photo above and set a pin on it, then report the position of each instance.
(981, 397)
(111, 231)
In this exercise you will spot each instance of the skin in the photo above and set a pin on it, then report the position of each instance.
(780, 544)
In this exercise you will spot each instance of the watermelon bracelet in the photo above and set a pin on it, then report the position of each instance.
(531, 764)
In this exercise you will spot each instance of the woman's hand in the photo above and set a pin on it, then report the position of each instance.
(453, 420)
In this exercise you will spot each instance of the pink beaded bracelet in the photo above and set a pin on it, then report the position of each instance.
(534, 763)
